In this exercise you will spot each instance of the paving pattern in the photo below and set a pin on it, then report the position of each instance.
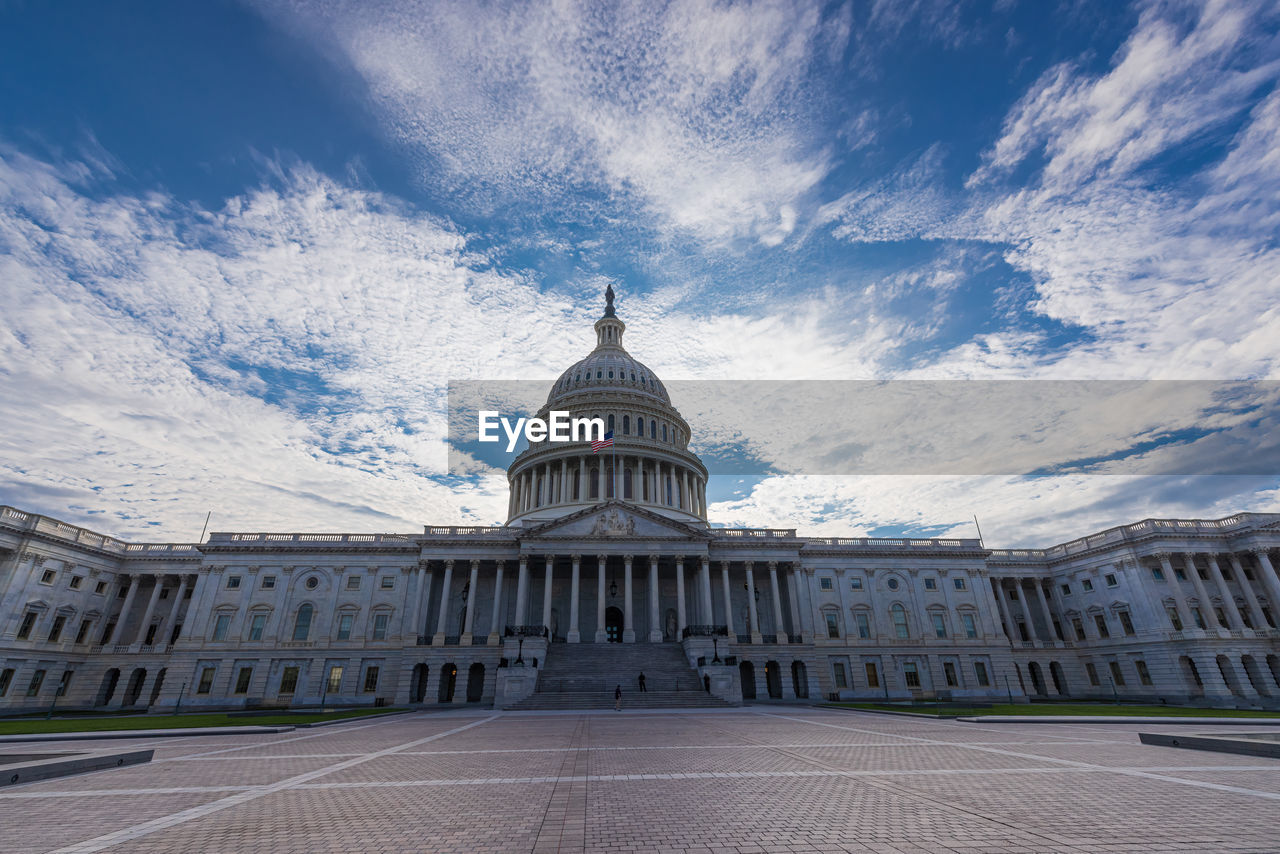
(759, 779)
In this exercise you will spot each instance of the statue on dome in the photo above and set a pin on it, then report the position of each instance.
(608, 302)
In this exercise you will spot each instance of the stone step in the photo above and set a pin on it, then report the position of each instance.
(630, 700)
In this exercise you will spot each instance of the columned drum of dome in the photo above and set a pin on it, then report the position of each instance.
(650, 463)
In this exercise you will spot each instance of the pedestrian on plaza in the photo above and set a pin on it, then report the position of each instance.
(642, 688)
(617, 699)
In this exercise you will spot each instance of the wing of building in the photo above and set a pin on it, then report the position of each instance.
(607, 568)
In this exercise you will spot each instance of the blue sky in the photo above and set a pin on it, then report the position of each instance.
(246, 246)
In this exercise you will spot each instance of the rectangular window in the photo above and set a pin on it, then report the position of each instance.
(64, 683)
(164, 592)
(48, 576)
(1174, 619)
(1013, 594)
(206, 680)
(1100, 620)
(1077, 625)
(1198, 617)
(1226, 573)
(257, 626)
(187, 595)
(939, 626)
(388, 582)
(1266, 615)
(1115, 672)
(864, 625)
(899, 621)
(151, 634)
(1093, 673)
(1126, 622)
(855, 583)
(970, 626)
(873, 675)
(1221, 615)
(334, 685)
(980, 671)
(55, 631)
(824, 583)
(268, 582)
(75, 582)
(123, 591)
(949, 672)
(233, 582)
(380, 627)
(344, 626)
(1157, 573)
(6, 677)
(1110, 578)
(28, 623)
(1022, 631)
(100, 588)
(1180, 573)
(1086, 584)
(371, 680)
(289, 680)
(37, 679)
(1144, 675)
(833, 626)
(106, 633)
(83, 633)
(911, 674)
(1066, 590)
(931, 584)
(958, 582)
(353, 582)
(220, 627)
(242, 680)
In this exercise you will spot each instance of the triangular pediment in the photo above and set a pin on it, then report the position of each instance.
(614, 520)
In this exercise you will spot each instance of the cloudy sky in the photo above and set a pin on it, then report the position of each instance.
(244, 248)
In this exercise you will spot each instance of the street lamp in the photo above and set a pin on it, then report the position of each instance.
(715, 647)
(520, 651)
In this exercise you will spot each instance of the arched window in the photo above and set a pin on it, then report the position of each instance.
(664, 432)
(626, 483)
(302, 625)
(899, 615)
(626, 425)
(653, 429)
(610, 428)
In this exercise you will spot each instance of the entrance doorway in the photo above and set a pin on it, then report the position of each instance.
(613, 624)
(773, 679)
(747, 673)
(448, 681)
(475, 683)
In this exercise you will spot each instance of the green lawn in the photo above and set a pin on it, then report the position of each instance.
(38, 725)
(1062, 709)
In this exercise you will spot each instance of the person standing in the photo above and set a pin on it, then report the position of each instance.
(642, 688)
(617, 699)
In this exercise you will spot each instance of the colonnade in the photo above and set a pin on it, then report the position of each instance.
(598, 477)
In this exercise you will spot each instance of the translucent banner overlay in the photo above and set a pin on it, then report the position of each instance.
(925, 427)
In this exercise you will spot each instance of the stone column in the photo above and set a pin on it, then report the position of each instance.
(704, 579)
(1228, 598)
(1250, 595)
(177, 602)
(1269, 580)
(629, 630)
(522, 592)
(151, 608)
(410, 628)
(728, 600)
(582, 480)
(562, 496)
(442, 622)
(751, 605)
(680, 610)
(1048, 615)
(1202, 593)
(601, 566)
(1175, 588)
(655, 618)
(546, 595)
(778, 626)
(602, 493)
(574, 635)
(134, 581)
(472, 584)
(1005, 619)
(495, 626)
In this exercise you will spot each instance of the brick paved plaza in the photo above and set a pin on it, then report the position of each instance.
(757, 779)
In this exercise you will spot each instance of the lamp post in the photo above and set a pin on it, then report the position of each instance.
(715, 647)
(520, 651)
(181, 691)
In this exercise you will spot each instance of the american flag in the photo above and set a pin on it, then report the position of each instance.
(606, 442)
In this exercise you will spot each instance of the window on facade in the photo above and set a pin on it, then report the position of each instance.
(1197, 617)
(187, 595)
(48, 576)
(100, 587)
(825, 583)
(949, 673)
(1226, 573)
(1057, 629)
(220, 626)
(28, 623)
(353, 582)
(371, 679)
(1077, 626)
(6, 679)
(242, 680)
(1110, 578)
(311, 583)
(256, 626)
(653, 429)
(83, 633)
(970, 625)
(931, 584)
(1126, 622)
(911, 674)
(233, 582)
(164, 592)
(958, 582)
(1221, 616)
(123, 591)
(268, 582)
(1115, 672)
(899, 616)
(106, 633)
(1086, 584)
(206, 680)
(626, 425)
(980, 671)
(289, 680)
(873, 675)
(939, 626)
(302, 625)
(1157, 573)
(664, 432)
(64, 683)
(1022, 631)
(37, 679)
(344, 626)
(855, 583)
(1092, 672)
(55, 631)
(388, 582)
(864, 625)
(1100, 620)
(380, 627)
(838, 674)
(74, 584)
(1066, 590)
(833, 626)
(1266, 615)
(1144, 675)
(892, 584)
(1013, 594)
(334, 683)
(151, 634)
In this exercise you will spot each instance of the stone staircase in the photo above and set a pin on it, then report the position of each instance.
(583, 676)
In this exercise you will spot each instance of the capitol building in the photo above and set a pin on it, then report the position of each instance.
(608, 566)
